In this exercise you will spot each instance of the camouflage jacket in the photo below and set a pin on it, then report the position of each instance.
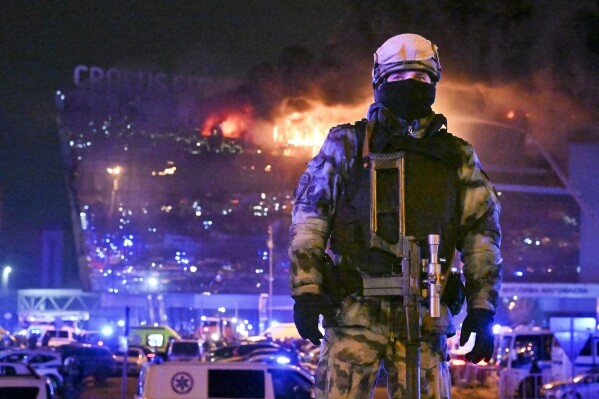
(317, 194)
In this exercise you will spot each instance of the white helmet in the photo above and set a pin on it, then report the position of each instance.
(403, 52)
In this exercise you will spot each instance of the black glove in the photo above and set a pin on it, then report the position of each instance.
(479, 321)
(306, 311)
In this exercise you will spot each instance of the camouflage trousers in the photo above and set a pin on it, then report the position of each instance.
(352, 357)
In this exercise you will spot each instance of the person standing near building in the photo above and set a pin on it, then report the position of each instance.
(46, 340)
(445, 192)
(32, 341)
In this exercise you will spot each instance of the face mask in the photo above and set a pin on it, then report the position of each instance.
(408, 99)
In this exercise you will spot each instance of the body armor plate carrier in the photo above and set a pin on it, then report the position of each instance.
(431, 202)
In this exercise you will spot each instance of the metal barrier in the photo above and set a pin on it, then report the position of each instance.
(473, 375)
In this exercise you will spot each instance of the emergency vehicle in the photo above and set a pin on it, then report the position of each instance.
(528, 358)
(195, 380)
(155, 338)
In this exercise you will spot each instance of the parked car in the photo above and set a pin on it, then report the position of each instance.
(137, 357)
(309, 358)
(185, 349)
(584, 386)
(44, 362)
(202, 380)
(269, 355)
(94, 360)
(239, 350)
(20, 381)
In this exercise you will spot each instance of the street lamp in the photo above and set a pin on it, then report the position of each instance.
(5, 272)
(5, 297)
(270, 245)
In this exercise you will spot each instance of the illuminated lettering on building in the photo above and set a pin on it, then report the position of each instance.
(139, 81)
(566, 290)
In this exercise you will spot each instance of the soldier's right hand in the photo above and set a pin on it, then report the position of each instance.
(306, 312)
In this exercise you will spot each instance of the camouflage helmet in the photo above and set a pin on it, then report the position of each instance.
(406, 52)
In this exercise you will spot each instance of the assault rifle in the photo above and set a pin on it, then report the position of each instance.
(420, 279)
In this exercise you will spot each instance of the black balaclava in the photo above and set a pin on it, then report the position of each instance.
(408, 99)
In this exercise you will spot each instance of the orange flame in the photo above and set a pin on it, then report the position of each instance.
(307, 129)
(302, 124)
(234, 124)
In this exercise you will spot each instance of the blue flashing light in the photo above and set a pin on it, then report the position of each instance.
(107, 331)
(519, 273)
(496, 328)
(283, 360)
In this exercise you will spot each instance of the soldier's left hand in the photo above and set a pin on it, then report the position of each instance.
(480, 322)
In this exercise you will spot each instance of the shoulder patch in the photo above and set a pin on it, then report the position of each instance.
(302, 185)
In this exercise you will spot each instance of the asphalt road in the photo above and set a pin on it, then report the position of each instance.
(112, 390)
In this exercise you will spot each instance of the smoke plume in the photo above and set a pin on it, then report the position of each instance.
(535, 60)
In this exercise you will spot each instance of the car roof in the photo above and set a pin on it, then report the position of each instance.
(21, 369)
(182, 342)
(79, 345)
(83, 348)
(144, 349)
(220, 365)
(27, 350)
(248, 345)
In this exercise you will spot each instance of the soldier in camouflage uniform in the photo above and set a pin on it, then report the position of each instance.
(447, 193)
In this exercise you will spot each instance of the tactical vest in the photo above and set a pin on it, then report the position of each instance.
(432, 202)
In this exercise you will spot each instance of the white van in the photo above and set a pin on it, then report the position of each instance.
(179, 380)
(54, 337)
(528, 358)
(524, 362)
(186, 349)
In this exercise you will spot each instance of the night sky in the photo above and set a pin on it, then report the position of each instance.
(548, 49)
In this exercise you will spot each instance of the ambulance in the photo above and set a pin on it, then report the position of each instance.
(155, 338)
(186, 380)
